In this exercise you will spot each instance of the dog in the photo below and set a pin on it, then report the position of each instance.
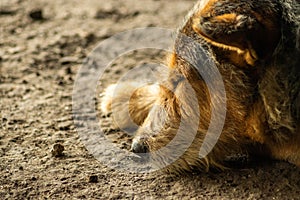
(255, 45)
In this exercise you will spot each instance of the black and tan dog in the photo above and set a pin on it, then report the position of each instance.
(255, 45)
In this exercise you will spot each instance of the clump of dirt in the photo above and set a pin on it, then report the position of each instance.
(41, 52)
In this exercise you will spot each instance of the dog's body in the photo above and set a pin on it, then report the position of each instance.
(255, 46)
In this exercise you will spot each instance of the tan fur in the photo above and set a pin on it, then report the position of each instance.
(255, 45)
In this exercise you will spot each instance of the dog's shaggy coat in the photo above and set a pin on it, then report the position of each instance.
(255, 45)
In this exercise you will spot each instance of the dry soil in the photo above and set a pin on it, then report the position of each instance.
(42, 46)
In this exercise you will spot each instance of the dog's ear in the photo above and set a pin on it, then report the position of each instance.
(254, 34)
(230, 32)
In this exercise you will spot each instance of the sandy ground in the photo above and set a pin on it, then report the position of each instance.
(40, 54)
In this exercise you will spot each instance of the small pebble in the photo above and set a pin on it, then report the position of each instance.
(57, 150)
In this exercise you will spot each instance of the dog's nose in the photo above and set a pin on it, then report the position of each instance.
(139, 145)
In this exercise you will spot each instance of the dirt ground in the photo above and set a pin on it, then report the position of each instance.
(42, 46)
